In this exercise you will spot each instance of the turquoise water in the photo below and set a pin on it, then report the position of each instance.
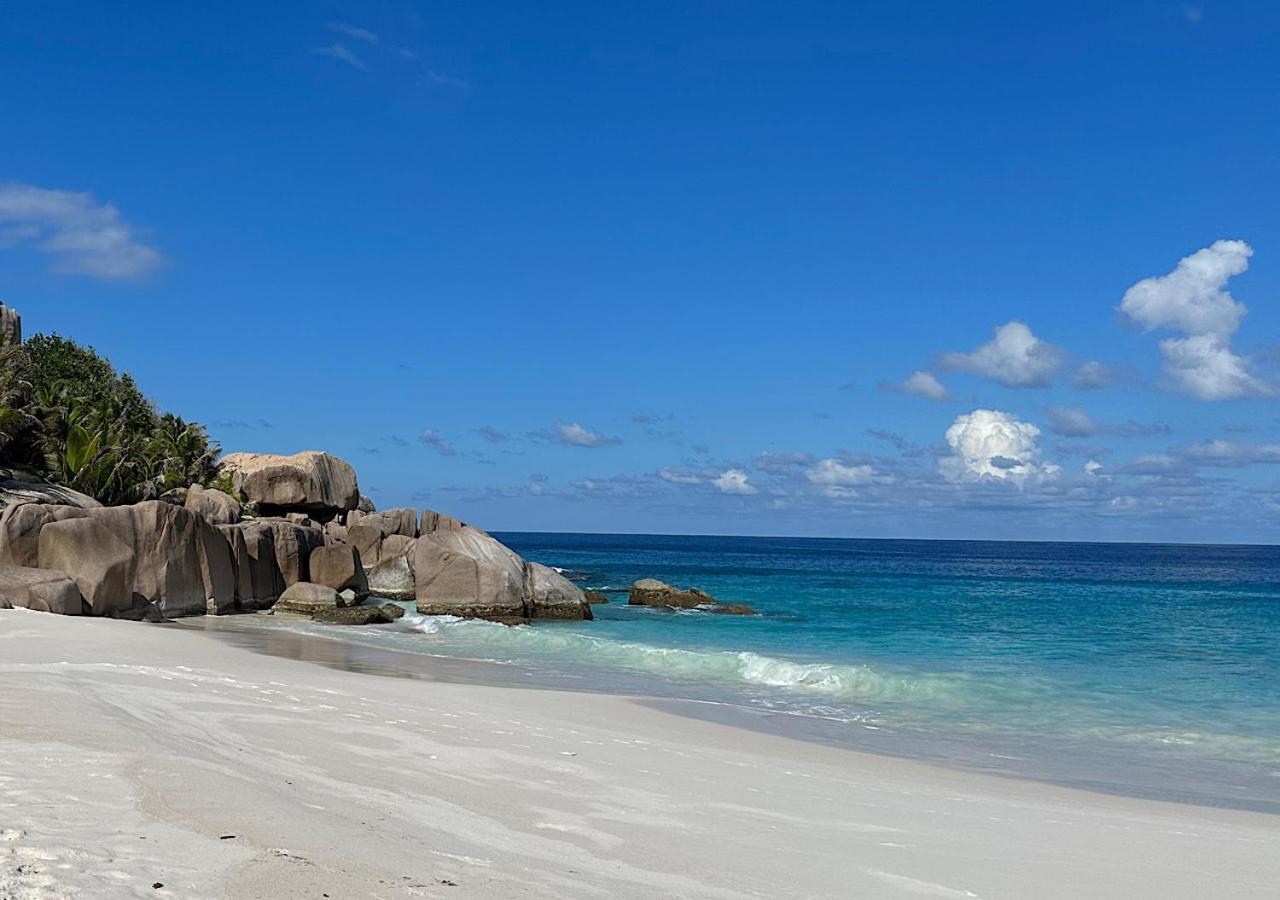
(1142, 669)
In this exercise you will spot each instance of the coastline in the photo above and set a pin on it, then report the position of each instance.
(229, 773)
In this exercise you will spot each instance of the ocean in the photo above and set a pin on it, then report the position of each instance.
(1145, 670)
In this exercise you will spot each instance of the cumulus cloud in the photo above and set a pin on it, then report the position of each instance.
(432, 438)
(1193, 299)
(733, 481)
(342, 53)
(575, 435)
(1205, 366)
(919, 384)
(987, 443)
(82, 236)
(1014, 356)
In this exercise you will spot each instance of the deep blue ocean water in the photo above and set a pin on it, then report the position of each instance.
(1143, 669)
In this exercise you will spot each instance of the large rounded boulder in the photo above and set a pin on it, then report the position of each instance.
(310, 482)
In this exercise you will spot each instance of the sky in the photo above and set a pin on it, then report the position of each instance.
(984, 270)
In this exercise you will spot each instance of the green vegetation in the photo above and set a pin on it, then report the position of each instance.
(68, 417)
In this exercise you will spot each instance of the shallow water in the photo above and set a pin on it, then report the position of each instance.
(1140, 669)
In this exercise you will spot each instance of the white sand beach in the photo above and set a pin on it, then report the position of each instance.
(154, 761)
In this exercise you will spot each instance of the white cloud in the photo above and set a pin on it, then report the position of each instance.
(575, 435)
(1071, 421)
(992, 444)
(1230, 454)
(351, 31)
(920, 384)
(734, 481)
(1092, 467)
(432, 438)
(1192, 298)
(1092, 376)
(342, 53)
(1014, 356)
(1205, 367)
(680, 476)
(838, 479)
(82, 236)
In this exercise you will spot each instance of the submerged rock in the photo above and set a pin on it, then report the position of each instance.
(356, 615)
(595, 597)
(659, 594)
(391, 609)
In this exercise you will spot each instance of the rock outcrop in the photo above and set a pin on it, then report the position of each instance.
(214, 506)
(433, 521)
(10, 326)
(339, 567)
(466, 572)
(393, 578)
(43, 590)
(655, 593)
(17, 488)
(293, 544)
(552, 596)
(97, 560)
(310, 482)
(595, 597)
(306, 599)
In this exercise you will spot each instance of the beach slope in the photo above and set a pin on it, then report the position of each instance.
(154, 761)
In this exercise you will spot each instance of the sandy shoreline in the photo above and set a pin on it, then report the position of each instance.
(135, 755)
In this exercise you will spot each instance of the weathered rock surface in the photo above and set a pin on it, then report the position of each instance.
(339, 567)
(214, 506)
(652, 592)
(18, 487)
(97, 560)
(10, 326)
(465, 572)
(392, 610)
(393, 578)
(306, 599)
(355, 615)
(258, 580)
(293, 544)
(310, 482)
(552, 596)
(43, 590)
(365, 505)
(335, 533)
(180, 560)
(595, 597)
(433, 521)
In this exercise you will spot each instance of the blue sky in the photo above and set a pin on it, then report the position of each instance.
(669, 267)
